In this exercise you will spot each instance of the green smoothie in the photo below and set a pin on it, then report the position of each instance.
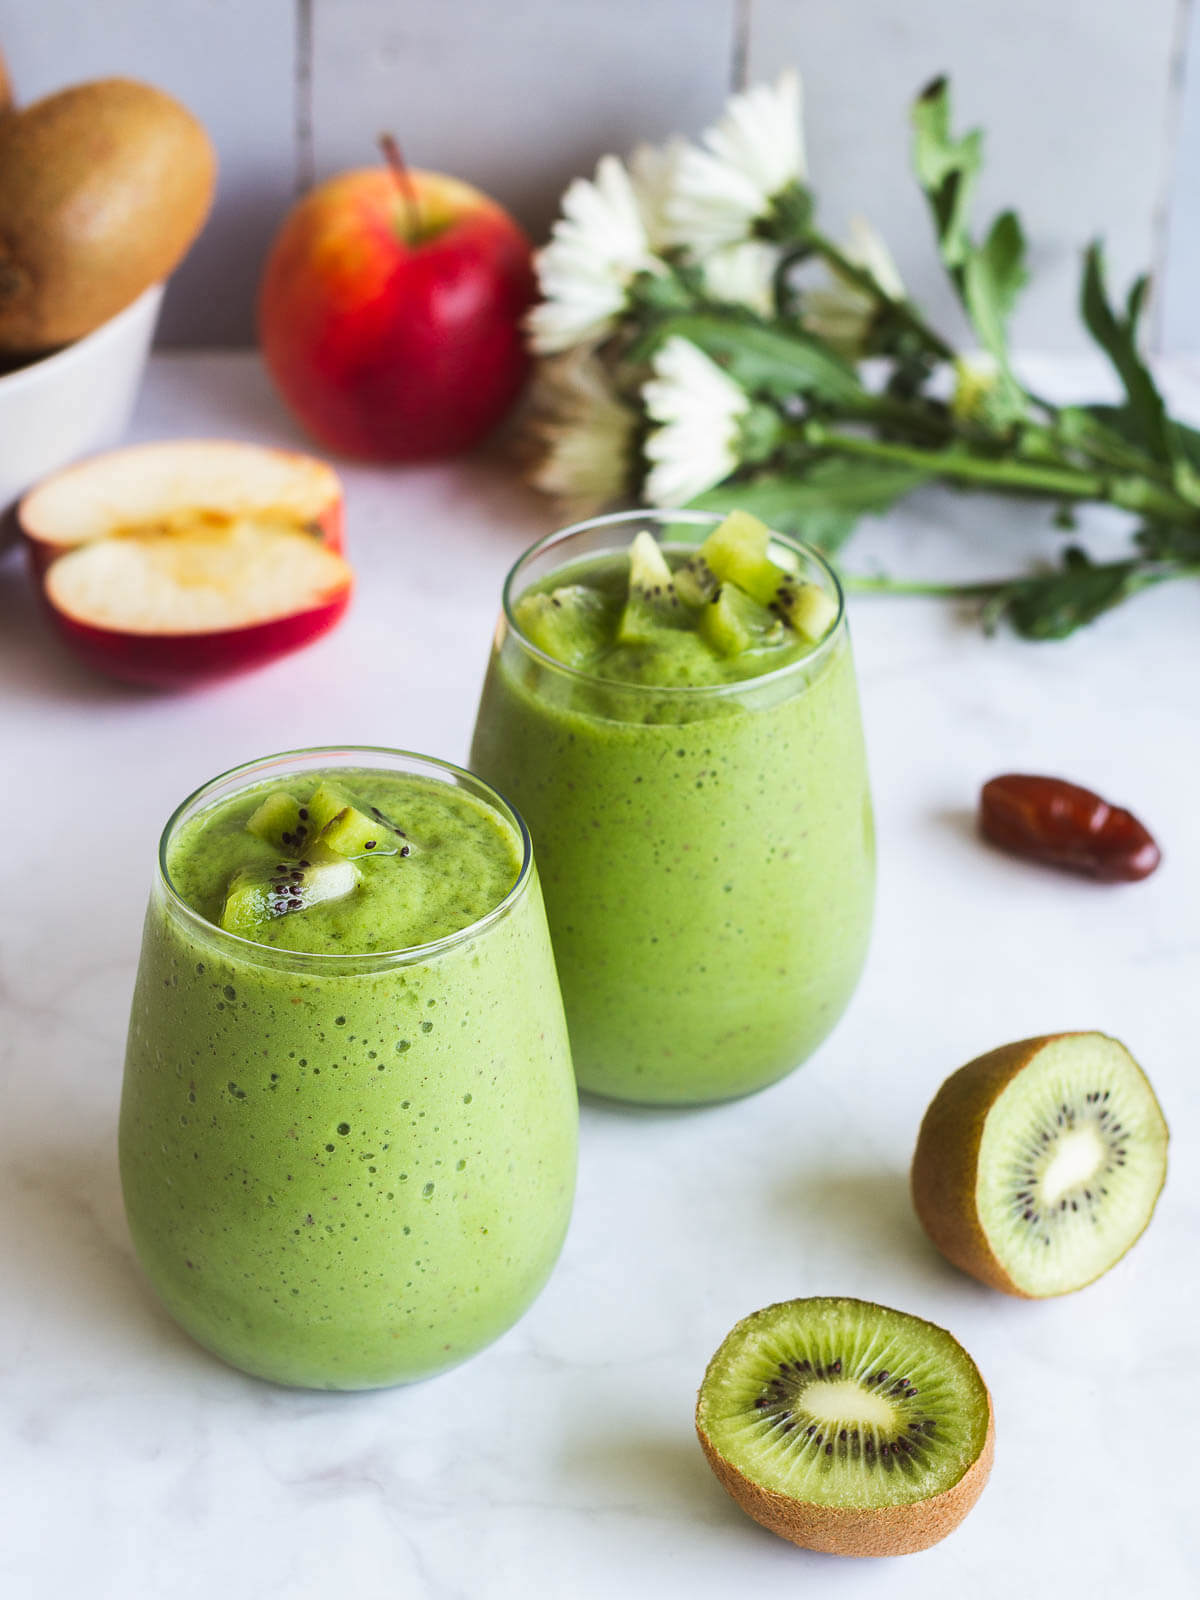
(348, 1124)
(697, 792)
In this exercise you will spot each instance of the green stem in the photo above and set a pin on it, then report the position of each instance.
(942, 591)
(862, 279)
(1131, 493)
(970, 469)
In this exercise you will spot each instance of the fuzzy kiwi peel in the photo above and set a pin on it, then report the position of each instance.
(1039, 1164)
(103, 187)
(847, 1427)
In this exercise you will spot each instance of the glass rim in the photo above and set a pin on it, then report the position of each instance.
(660, 514)
(334, 961)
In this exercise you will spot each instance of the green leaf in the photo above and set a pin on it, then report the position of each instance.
(1113, 433)
(767, 360)
(1054, 605)
(1000, 264)
(946, 169)
(821, 506)
(988, 277)
(1145, 415)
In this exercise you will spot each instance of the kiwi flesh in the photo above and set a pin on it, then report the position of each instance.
(102, 189)
(353, 830)
(1039, 1164)
(736, 552)
(281, 821)
(806, 608)
(733, 623)
(847, 1427)
(256, 894)
(652, 604)
(572, 624)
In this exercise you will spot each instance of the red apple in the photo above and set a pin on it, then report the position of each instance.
(390, 313)
(168, 564)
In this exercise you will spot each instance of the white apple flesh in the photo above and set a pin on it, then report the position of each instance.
(173, 563)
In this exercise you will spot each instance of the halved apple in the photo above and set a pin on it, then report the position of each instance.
(170, 563)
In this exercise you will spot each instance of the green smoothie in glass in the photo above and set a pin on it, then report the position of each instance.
(348, 1125)
(672, 705)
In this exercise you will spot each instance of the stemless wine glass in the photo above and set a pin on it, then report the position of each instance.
(707, 854)
(344, 1171)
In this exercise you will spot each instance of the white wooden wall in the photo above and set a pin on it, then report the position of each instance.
(1092, 113)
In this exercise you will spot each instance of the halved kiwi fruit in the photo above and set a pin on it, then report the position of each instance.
(1039, 1164)
(847, 1427)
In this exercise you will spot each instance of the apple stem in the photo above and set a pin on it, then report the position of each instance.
(393, 156)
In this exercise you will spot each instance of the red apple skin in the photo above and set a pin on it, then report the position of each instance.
(389, 347)
(184, 661)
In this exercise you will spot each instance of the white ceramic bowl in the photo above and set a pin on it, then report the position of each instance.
(75, 401)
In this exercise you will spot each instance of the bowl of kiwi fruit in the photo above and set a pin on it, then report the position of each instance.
(103, 187)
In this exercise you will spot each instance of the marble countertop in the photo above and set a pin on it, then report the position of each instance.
(562, 1462)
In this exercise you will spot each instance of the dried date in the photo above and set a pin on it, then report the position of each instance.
(1064, 825)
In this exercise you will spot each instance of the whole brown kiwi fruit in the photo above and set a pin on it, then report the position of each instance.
(1039, 1164)
(102, 189)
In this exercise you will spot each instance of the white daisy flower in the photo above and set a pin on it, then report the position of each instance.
(584, 435)
(652, 170)
(842, 313)
(866, 249)
(754, 152)
(699, 409)
(743, 275)
(597, 247)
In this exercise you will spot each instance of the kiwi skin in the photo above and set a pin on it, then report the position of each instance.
(946, 1159)
(102, 188)
(857, 1531)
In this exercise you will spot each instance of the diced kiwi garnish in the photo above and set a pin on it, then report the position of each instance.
(652, 604)
(256, 895)
(736, 552)
(847, 1427)
(733, 623)
(354, 828)
(695, 581)
(806, 608)
(572, 624)
(1039, 1164)
(282, 821)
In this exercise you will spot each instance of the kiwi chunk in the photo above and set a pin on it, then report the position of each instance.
(696, 583)
(806, 608)
(732, 623)
(652, 605)
(353, 829)
(256, 895)
(1039, 1164)
(736, 552)
(572, 624)
(847, 1427)
(282, 821)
